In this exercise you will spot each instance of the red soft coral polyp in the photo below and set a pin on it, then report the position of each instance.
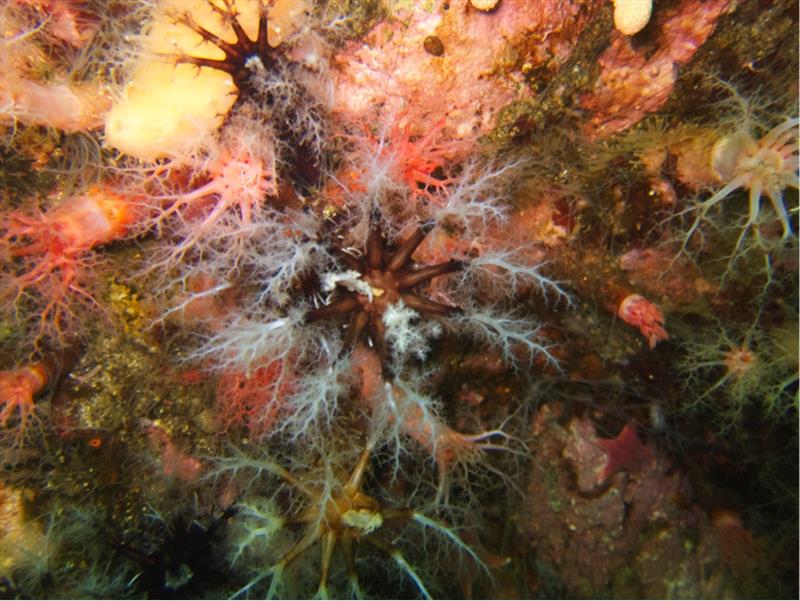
(253, 400)
(18, 387)
(77, 225)
(637, 311)
(92, 219)
(419, 159)
(46, 257)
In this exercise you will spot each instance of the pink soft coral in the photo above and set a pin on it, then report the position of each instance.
(48, 256)
(637, 311)
(18, 387)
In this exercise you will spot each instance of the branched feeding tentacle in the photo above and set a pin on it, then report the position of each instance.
(335, 515)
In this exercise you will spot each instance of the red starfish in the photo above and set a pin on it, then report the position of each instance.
(625, 452)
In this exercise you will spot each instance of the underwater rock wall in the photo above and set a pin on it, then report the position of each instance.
(398, 299)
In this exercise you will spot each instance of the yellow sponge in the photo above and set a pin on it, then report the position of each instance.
(168, 109)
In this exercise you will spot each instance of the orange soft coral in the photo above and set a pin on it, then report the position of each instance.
(18, 387)
(46, 257)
